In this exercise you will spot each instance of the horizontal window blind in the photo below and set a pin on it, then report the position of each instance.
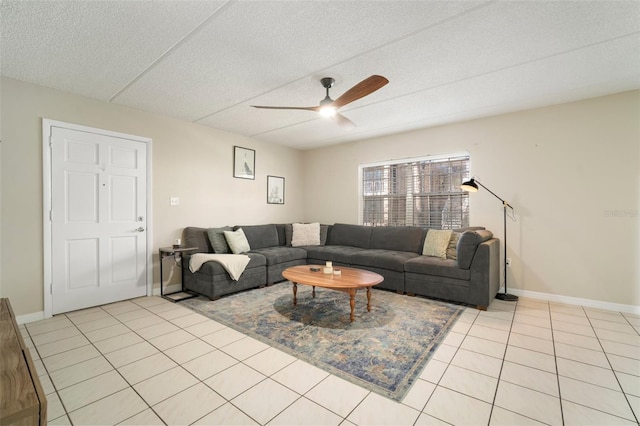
(424, 192)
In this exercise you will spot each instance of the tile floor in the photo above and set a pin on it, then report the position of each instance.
(148, 361)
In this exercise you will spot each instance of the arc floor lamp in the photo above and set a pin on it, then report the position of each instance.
(472, 186)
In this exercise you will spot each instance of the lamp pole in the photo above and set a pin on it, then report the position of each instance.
(472, 185)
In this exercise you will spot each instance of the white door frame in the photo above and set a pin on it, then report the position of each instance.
(47, 126)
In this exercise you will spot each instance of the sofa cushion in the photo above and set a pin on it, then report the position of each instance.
(350, 235)
(385, 259)
(340, 254)
(436, 266)
(217, 239)
(282, 233)
(398, 238)
(324, 231)
(436, 243)
(237, 241)
(305, 234)
(261, 236)
(281, 254)
(467, 245)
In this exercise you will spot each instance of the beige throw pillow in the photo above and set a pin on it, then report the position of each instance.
(436, 243)
(452, 249)
(305, 234)
(237, 241)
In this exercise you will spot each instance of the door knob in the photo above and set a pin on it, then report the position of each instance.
(141, 229)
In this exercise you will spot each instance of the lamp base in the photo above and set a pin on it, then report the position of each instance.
(506, 296)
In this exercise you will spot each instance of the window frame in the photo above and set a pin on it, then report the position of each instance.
(406, 162)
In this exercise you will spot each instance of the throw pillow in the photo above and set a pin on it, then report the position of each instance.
(307, 234)
(452, 249)
(237, 241)
(217, 240)
(436, 243)
(288, 231)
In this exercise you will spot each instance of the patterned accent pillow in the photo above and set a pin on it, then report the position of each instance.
(217, 240)
(436, 243)
(237, 241)
(305, 234)
(452, 249)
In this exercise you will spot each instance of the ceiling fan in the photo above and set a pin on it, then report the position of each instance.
(329, 108)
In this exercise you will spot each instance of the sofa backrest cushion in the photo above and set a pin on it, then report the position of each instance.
(197, 237)
(467, 245)
(397, 238)
(282, 234)
(261, 236)
(343, 234)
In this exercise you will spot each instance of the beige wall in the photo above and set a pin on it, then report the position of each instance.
(570, 239)
(571, 171)
(189, 161)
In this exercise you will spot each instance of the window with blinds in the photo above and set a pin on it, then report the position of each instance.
(420, 192)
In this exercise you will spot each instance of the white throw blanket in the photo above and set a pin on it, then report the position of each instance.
(234, 264)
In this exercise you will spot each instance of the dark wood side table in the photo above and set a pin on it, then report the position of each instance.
(175, 252)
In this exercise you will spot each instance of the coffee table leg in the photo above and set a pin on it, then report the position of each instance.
(295, 292)
(313, 292)
(368, 299)
(352, 302)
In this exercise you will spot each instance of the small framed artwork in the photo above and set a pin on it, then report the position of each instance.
(275, 190)
(244, 163)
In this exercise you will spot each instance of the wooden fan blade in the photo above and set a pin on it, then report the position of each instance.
(343, 121)
(360, 90)
(316, 108)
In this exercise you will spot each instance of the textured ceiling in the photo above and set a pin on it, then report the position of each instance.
(208, 61)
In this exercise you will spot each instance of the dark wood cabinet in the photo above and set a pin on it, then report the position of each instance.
(22, 400)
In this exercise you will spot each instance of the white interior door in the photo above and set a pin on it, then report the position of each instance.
(98, 219)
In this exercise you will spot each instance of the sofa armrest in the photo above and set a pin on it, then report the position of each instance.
(485, 273)
(193, 236)
(468, 245)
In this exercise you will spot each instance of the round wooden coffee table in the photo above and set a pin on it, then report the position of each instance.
(349, 281)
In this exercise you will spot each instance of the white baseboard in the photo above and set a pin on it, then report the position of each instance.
(590, 303)
(35, 316)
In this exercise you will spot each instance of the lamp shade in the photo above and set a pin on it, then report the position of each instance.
(469, 186)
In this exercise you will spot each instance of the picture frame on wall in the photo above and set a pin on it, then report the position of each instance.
(275, 190)
(244, 163)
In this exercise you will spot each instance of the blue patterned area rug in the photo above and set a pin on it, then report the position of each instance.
(383, 350)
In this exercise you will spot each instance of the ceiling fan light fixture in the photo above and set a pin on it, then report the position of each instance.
(327, 111)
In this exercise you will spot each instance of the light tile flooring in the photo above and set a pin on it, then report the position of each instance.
(150, 361)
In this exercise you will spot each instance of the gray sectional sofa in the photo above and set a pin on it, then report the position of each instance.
(393, 252)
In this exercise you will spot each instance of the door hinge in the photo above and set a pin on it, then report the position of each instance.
(50, 216)
(51, 288)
